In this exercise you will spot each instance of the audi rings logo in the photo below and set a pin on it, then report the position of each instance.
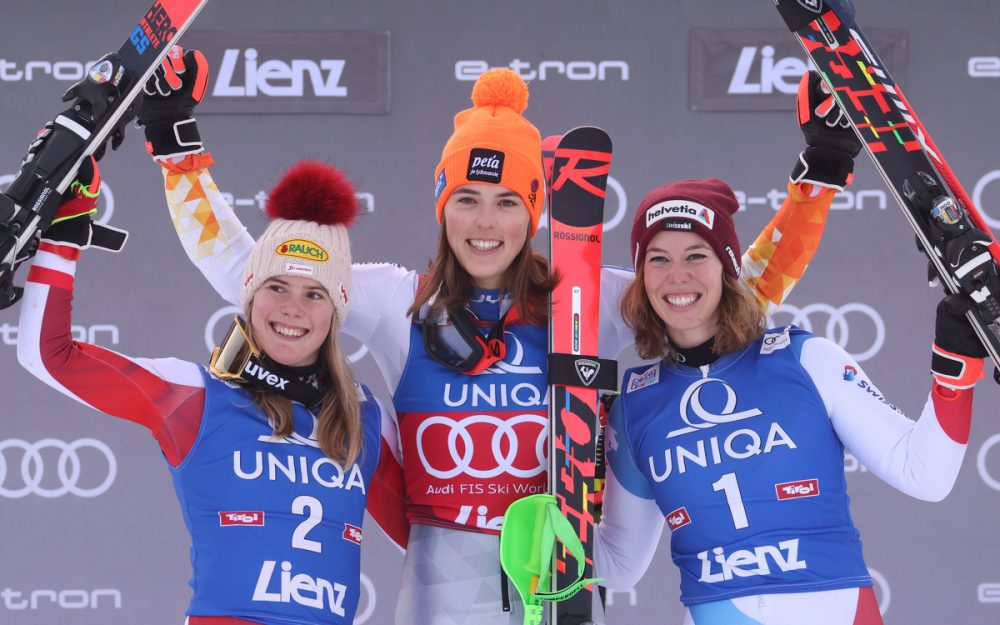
(215, 331)
(620, 209)
(74, 471)
(105, 204)
(504, 445)
(862, 318)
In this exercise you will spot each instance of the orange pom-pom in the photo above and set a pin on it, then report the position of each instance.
(501, 87)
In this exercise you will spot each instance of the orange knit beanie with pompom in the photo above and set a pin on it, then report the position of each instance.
(494, 143)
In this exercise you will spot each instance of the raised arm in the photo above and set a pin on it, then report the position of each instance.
(164, 395)
(776, 260)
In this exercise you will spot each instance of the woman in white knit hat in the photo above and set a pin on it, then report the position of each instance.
(273, 448)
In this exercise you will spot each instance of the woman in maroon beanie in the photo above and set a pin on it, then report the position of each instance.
(736, 436)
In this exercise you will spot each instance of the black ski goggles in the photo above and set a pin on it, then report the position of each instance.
(453, 339)
(230, 358)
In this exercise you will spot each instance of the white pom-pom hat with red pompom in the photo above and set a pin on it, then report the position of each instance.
(494, 143)
(311, 207)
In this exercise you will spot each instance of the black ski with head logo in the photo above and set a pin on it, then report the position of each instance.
(949, 227)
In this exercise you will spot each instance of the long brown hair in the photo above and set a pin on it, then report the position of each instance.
(527, 279)
(338, 428)
(740, 320)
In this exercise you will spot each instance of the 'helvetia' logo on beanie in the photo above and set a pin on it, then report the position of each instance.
(485, 165)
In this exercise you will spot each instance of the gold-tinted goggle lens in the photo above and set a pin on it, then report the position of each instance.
(231, 357)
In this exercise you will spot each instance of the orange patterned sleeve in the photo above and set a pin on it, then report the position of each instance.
(776, 260)
(212, 235)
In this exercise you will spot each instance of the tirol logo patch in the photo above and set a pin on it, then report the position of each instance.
(794, 490)
(587, 370)
(816, 6)
(300, 248)
(680, 209)
(241, 518)
(352, 533)
(678, 518)
(485, 165)
(642, 380)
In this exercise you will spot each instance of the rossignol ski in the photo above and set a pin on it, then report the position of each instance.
(949, 227)
(581, 164)
(102, 104)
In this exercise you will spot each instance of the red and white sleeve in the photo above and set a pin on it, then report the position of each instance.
(165, 395)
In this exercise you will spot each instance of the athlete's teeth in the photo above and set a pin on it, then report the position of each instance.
(484, 245)
(289, 332)
(683, 300)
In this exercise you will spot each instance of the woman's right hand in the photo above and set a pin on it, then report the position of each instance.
(73, 224)
(169, 98)
(957, 359)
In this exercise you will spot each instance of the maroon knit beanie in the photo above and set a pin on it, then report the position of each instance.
(705, 207)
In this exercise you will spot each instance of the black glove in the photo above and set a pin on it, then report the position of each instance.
(828, 160)
(73, 224)
(167, 108)
(957, 355)
(92, 97)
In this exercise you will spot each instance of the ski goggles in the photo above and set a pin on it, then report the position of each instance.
(231, 357)
(453, 339)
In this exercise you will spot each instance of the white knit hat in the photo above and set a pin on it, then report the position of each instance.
(312, 206)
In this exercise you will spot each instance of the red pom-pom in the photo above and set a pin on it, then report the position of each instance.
(314, 191)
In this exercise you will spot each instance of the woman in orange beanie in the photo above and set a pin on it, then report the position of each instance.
(470, 442)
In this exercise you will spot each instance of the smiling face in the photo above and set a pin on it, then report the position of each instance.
(487, 227)
(682, 277)
(291, 317)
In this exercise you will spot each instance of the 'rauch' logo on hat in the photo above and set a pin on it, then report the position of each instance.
(485, 165)
(300, 248)
(680, 209)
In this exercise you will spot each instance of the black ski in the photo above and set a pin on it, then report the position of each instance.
(950, 229)
(101, 107)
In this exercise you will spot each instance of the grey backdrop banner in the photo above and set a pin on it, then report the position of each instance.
(90, 530)
(295, 72)
(759, 69)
